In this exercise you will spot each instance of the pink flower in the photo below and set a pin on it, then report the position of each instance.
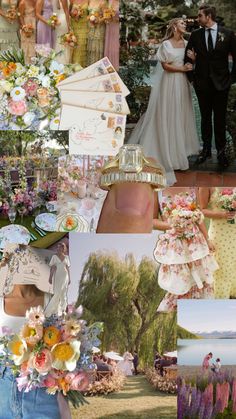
(42, 361)
(17, 108)
(227, 191)
(234, 204)
(78, 382)
(35, 315)
(49, 381)
(32, 334)
(30, 86)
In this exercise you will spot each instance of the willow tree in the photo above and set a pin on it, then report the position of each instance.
(125, 296)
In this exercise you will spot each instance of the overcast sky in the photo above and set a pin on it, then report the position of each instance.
(81, 245)
(207, 315)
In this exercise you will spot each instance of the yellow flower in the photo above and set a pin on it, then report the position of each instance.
(19, 350)
(66, 355)
(51, 336)
(59, 78)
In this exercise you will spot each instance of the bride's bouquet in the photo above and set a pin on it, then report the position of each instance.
(182, 214)
(227, 200)
(53, 353)
(28, 92)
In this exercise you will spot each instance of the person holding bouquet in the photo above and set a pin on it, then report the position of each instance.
(79, 25)
(9, 24)
(47, 22)
(184, 249)
(61, 10)
(27, 28)
(96, 33)
(219, 205)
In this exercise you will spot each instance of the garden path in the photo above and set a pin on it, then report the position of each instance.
(137, 400)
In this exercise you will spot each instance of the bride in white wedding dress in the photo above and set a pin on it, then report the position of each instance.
(167, 130)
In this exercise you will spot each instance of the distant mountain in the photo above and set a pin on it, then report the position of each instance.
(215, 334)
(185, 334)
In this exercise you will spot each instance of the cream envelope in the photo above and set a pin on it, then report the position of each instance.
(110, 102)
(103, 66)
(27, 266)
(105, 83)
(91, 131)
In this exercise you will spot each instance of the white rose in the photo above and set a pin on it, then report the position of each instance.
(45, 81)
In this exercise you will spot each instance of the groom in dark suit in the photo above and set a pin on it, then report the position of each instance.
(208, 49)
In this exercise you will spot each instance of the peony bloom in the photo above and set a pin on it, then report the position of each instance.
(43, 97)
(35, 316)
(18, 348)
(31, 87)
(17, 94)
(227, 191)
(78, 381)
(32, 334)
(51, 336)
(66, 355)
(17, 108)
(41, 361)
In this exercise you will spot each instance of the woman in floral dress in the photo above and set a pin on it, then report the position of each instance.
(79, 25)
(222, 232)
(183, 250)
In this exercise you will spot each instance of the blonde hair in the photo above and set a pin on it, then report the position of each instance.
(171, 28)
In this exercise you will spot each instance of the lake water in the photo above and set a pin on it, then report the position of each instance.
(192, 351)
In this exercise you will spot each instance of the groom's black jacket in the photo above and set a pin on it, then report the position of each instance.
(214, 65)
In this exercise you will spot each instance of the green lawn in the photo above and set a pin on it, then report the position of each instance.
(137, 400)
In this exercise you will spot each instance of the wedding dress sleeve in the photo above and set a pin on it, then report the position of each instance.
(163, 53)
(53, 261)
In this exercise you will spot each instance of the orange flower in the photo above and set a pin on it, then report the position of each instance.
(51, 336)
(63, 385)
(193, 206)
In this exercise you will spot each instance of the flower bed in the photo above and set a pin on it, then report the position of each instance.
(208, 397)
(161, 383)
(106, 385)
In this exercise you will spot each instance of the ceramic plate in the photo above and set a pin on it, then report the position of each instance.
(46, 221)
(71, 222)
(14, 233)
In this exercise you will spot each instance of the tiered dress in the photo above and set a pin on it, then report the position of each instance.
(186, 265)
(45, 33)
(8, 31)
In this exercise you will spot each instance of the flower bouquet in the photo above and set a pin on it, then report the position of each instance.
(182, 213)
(53, 353)
(12, 14)
(28, 30)
(69, 40)
(53, 21)
(227, 200)
(28, 92)
(77, 12)
(108, 14)
(94, 18)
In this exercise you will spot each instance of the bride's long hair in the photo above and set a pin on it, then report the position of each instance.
(171, 28)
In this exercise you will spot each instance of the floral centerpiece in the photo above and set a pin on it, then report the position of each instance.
(69, 39)
(28, 92)
(227, 200)
(182, 213)
(53, 353)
